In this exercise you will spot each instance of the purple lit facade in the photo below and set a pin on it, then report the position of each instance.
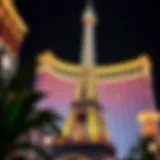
(122, 100)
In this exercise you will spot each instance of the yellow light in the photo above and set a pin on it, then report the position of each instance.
(93, 127)
(152, 147)
(68, 124)
(48, 57)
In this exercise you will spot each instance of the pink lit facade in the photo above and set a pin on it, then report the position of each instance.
(122, 101)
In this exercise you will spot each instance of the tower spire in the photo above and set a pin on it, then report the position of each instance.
(88, 51)
(85, 124)
(89, 20)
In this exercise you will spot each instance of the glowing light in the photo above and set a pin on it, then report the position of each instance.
(48, 140)
(148, 120)
(152, 147)
(6, 62)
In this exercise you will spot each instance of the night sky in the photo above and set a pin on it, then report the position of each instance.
(126, 28)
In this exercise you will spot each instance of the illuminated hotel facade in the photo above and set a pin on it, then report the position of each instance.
(124, 89)
(12, 33)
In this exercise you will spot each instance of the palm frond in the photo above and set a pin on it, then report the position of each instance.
(23, 78)
(20, 107)
(40, 119)
(18, 114)
(27, 106)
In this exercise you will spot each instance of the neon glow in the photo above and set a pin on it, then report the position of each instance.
(122, 102)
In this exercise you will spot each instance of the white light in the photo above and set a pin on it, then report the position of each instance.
(48, 140)
(6, 62)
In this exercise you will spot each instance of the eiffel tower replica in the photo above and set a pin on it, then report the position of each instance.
(84, 134)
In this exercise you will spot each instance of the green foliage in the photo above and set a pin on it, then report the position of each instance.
(18, 114)
(141, 151)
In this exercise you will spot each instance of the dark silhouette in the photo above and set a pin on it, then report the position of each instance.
(18, 114)
(141, 151)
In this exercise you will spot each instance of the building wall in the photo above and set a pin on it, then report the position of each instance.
(12, 33)
(122, 100)
(12, 27)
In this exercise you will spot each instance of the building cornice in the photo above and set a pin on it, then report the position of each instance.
(139, 66)
(10, 8)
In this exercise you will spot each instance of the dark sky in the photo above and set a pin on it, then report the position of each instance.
(126, 28)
